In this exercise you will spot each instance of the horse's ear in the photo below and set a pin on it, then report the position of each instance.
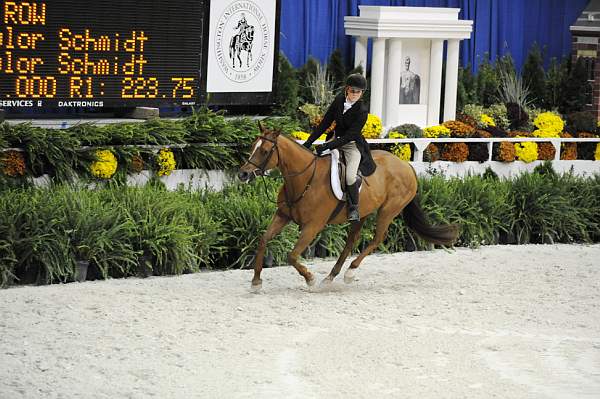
(261, 127)
(276, 132)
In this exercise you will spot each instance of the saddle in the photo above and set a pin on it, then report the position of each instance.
(338, 175)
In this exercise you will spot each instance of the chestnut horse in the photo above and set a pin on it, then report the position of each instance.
(307, 199)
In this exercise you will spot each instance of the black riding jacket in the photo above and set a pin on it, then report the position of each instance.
(348, 127)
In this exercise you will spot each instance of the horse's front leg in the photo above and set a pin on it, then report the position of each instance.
(278, 222)
(307, 234)
(353, 235)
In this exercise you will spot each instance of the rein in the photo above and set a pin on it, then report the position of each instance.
(262, 172)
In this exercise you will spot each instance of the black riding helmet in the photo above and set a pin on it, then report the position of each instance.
(357, 81)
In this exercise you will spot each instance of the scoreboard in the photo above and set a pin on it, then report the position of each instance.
(67, 53)
(102, 53)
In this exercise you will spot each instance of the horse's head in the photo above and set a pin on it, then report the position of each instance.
(264, 155)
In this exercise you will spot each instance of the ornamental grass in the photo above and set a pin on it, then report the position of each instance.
(182, 231)
(12, 163)
(455, 152)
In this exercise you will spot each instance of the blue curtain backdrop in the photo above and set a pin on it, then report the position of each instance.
(316, 27)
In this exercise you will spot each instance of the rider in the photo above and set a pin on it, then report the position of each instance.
(242, 25)
(350, 114)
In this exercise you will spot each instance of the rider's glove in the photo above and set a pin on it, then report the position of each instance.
(322, 148)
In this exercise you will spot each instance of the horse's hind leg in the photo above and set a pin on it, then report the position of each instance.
(278, 222)
(353, 235)
(386, 214)
(308, 233)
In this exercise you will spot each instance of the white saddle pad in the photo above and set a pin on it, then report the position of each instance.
(336, 185)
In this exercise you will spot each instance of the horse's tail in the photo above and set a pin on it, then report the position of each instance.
(415, 219)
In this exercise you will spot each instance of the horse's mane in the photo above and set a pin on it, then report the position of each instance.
(292, 139)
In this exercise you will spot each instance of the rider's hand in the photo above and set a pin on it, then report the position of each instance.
(322, 148)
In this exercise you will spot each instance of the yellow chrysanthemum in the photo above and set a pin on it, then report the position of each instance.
(304, 136)
(549, 121)
(166, 162)
(105, 166)
(487, 120)
(545, 133)
(372, 128)
(526, 151)
(402, 151)
(396, 135)
(433, 132)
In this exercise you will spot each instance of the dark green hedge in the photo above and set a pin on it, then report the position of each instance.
(43, 232)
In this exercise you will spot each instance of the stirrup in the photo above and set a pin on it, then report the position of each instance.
(353, 215)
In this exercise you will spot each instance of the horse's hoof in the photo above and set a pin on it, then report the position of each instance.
(311, 282)
(256, 286)
(349, 276)
(327, 281)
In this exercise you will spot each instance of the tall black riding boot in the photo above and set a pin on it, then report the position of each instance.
(352, 194)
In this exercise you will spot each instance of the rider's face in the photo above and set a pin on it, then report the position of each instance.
(353, 94)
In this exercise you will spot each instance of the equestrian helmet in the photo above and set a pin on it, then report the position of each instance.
(357, 81)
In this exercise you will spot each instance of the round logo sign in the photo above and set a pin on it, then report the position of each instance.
(242, 41)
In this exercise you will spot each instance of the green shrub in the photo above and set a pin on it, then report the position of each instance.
(577, 122)
(487, 83)
(575, 89)
(244, 212)
(44, 231)
(534, 75)
(286, 96)
(409, 129)
(467, 88)
(543, 211)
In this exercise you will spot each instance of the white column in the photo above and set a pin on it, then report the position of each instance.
(360, 53)
(451, 80)
(435, 82)
(377, 76)
(394, 66)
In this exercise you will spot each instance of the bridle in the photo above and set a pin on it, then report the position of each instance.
(261, 171)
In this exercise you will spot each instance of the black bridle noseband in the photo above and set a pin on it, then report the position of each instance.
(261, 168)
(261, 171)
